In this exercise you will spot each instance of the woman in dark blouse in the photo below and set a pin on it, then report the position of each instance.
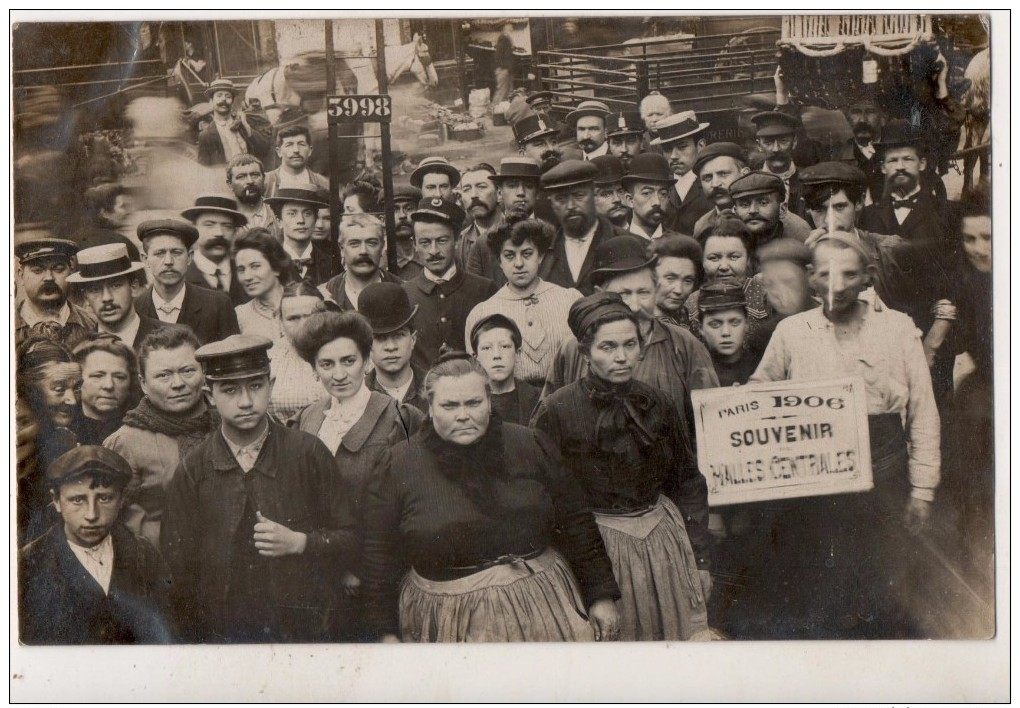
(459, 528)
(109, 387)
(496, 341)
(623, 442)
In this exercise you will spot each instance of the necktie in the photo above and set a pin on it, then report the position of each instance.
(908, 203)
(219, 279)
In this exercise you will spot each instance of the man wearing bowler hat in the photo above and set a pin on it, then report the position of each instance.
(217, 220)
(436, 177)
(89, 580)
(444, 292)
(405, 201)
(167, 245)
(776, 136)
(389, 312)
(228, 135)
(625, 134)
(681, 137)
(610, 196)
(648, 184)
(571, 190)
(43, 267)
(257, 529)
(588, 121)
(108, 280)
(759, 200)
(296, 210)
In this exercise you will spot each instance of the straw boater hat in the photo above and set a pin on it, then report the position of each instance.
(102, 262)
(517, 167)
(220, 85)
(678, 126)
(217, 203)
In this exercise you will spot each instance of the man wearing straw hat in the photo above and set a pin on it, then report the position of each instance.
(228, 135)
(681, 137)
(589, 123)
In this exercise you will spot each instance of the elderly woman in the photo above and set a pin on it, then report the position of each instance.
(263, 268)
(48, 381)
(295, 384)
(466, 513)
(171, 419)
(623, 442)
(109, 370)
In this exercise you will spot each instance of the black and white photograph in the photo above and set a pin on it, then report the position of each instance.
(611, 335)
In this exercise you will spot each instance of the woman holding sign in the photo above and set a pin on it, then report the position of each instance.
(623, 442)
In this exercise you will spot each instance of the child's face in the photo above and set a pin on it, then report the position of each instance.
(724, 332)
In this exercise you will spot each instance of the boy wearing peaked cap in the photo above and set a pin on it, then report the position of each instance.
(257, 529)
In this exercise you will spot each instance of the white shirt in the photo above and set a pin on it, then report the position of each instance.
(867, 150)
(248, 455)
(577, 250)
(638, 231)
(684, 183)
(208, 269)
(168, 311)
(352, 294)
(399, 392)
(602, 149)
(32, 316)
(127, 332)
(98, 561)
(301, 178)
(341, 416)
(233, 143)
(445, 277)
(304, 255)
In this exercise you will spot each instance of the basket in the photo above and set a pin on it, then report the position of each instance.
(828, 35)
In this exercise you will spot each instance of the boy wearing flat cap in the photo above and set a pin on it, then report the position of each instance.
(89, 580)
(258, 528)
(724, 329)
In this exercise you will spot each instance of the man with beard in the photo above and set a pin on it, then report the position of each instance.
(647, 186)
(294, 148)
(247, 179)
(654, 109)
(588, 121)
(405, 201)
(217, 219)
(571, 189)
(228, 135)
(681, 138)
(44, 264)
(108, 280)
(718, 166)
(866, 121)
(517, 191)
(296, 209)
(625, 135)
(436, 177)
(776, 137)
(167, 245)
(443, 292)
(478, 192)
(610, 196)
(759, 201)
(361, 245)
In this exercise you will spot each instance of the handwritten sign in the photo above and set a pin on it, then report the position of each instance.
(783, 439)
(359, 109)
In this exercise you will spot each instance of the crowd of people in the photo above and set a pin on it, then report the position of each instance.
(233, 428)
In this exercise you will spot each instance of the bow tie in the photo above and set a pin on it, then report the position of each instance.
(302, 263)
(908, 203)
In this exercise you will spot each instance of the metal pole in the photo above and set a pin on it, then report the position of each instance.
(334, 163)
(387, 155)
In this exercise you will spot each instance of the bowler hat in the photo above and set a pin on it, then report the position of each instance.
(569, 173)
(435, 164)
(757, 183)
(433, 209)
(620, 254)
(386, 307)
(898, 133)
(834, 172)
(517, 167)
(624, 123)
(677, 126)
(721, 296)
(187, 233)
(649, 167)
(532, 127)
(773, 123)
(101, 262)
(217, 203)
(88, 459)
(35, 240)
(587, 108)
(220, 85)
(611, 170)
(307, 194)
(239, 356)
(714, 150)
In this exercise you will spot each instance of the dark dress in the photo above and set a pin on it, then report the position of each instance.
(516, 406)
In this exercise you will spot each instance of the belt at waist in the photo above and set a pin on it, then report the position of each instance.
(460, 571)
(621, 510)
(882, 426)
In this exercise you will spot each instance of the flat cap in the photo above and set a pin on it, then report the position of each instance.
(86, 459)
(649, 167)
(174, 227)
(714, 150)
(36, 240)
(239, 356)
(569, 173)
(406, 193)
(721, 296)
(680, 125)
(589, 310)
(495, 320)
(433, 209)
(833, 172)
(772, 123)
(610, 168)
(436, 163)
(618, 255)
(757, 183)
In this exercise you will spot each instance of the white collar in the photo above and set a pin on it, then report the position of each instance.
(33, 316)
(917, 190)
(602, 149)
(208, 267)
(305, 254)
(98, 561)
(684, 183)
(174, 304)
(446, 277)
(127, 332)
(355, 405)
(638, 231)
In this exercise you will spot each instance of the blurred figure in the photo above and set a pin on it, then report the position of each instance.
(110, 207)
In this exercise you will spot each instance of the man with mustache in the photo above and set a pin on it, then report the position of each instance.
(776, 137)
(647, 186)
(247, 179)
(296, 209)
(625, 135)
(436, 177)
(294, 148)
(167, 246)
(217, 219)
(759, 201)
(681, 138)
(43, 266)
(405, 201)
(361, 246)
(480, 198)
(866, 120)
(718, 166)
(610, 196)
(443, 292)
(589, 123)
(537, 138)
(228, 135)
(108, 279)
